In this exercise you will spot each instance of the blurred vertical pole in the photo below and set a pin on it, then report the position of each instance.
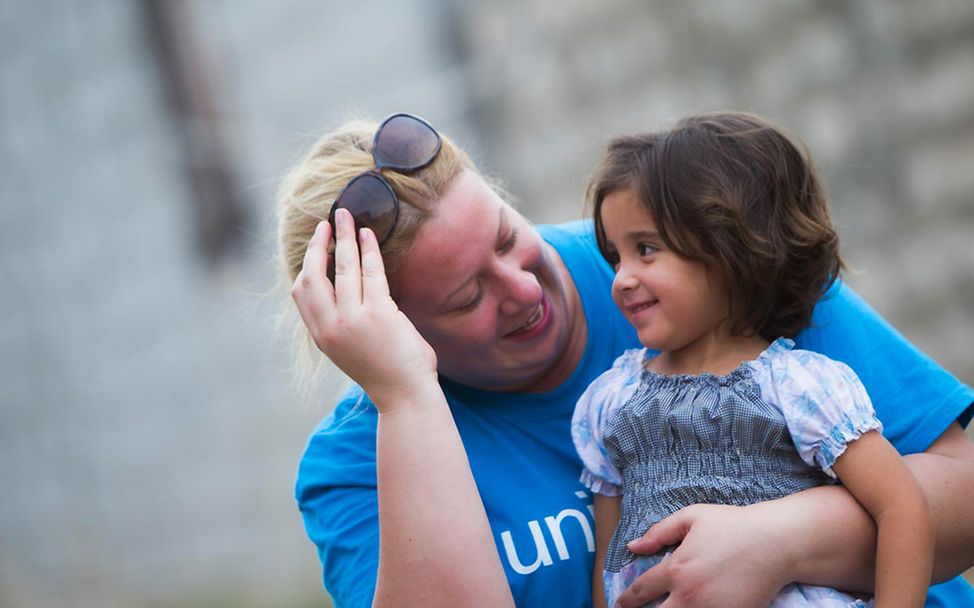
(186, 72)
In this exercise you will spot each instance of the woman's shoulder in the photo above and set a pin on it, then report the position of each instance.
(353, 421)
(571, 239)
(341, 449)
(579, 229)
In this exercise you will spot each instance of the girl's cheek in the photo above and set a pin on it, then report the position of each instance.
(616, 289)
(616, 299)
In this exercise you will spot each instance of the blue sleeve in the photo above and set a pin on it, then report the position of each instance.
(336, 493)
(915, 398)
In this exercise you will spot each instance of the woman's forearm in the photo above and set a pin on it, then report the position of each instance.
(435, 544)
(946, 473)
(833, 539)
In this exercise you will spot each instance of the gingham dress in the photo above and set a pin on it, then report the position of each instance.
(772, 427)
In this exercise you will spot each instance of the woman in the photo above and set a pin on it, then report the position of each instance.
(472, 368)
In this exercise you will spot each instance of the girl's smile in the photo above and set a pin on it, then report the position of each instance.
(676, 304)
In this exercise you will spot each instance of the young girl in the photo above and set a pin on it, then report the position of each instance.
(721, 240)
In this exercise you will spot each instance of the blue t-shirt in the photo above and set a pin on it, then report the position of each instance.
(527, 471)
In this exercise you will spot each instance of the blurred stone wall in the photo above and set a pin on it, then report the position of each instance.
(148, 432)
(148, 437)
(882, 92)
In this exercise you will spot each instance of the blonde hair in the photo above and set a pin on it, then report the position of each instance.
(306, 196)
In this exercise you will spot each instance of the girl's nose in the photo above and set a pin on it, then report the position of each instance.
(521, 290)
(623, 281)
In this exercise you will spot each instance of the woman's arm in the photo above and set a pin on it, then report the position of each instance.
(742, 556)
(946, 474)
(435, 545)
(872, 470)
(608, 509)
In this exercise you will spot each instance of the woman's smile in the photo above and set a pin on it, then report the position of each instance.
(536, 324)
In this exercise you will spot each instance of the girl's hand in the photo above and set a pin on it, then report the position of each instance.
(728, 557)
(355, 322)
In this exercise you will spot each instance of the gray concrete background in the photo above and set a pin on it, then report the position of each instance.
(148, 430)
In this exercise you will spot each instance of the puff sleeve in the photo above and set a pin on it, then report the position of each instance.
(593, 414)
(824, 404)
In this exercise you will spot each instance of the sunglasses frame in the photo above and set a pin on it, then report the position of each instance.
(375, 171)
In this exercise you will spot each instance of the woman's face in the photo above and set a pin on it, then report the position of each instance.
(493, 300)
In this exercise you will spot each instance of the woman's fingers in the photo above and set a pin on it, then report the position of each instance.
(312, 291)
(651, 585)
(669, 531)
(375, 286)
(348, 277)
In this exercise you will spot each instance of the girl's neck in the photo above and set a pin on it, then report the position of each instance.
(717, 353)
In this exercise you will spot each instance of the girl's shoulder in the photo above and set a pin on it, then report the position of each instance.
(822, 400)
(613, 386)
(804, 384)
(782, 362)
(593, 416)
(626, 369)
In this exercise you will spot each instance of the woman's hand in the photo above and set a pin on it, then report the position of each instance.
(435, 543)
(727, 556)
(355, 322)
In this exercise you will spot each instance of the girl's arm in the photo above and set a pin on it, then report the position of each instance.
(608, 509)
(820, 536)
(873, 471)
(435, 544)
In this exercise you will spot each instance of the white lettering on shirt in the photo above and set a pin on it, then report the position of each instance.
(544, 557)
(554, 527)
(542, 551)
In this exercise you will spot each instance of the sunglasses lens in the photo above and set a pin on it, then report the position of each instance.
(371, 202)
(405, 143)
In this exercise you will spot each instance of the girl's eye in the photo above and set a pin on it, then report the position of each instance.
(646, 249)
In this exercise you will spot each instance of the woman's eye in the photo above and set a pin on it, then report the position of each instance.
(509, 243)
(471, 304)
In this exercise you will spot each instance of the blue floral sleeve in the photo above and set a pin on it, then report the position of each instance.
(593, 413)
(824, 403)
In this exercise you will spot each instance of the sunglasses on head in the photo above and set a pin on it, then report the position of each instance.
(403, 143)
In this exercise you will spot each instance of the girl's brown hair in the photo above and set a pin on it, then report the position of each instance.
(734, 191)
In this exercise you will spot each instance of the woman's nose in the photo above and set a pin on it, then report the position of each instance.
(521, 289)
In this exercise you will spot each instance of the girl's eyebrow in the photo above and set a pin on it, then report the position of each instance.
(644, 234)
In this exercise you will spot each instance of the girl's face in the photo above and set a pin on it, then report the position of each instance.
(674, 303)
(493, 300)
